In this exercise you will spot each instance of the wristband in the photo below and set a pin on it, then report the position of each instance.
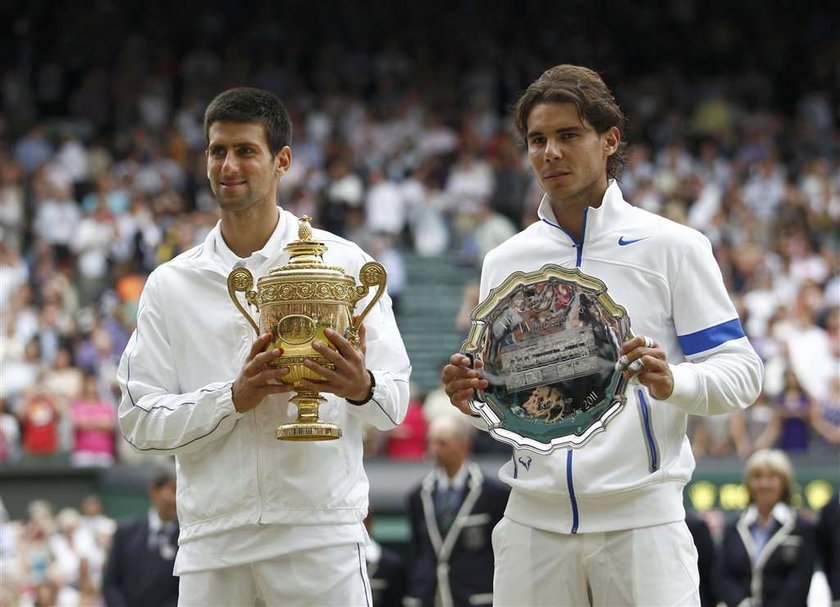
(369, 396)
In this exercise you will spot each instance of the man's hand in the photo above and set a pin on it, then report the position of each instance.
(643, 359)
(350, 378)
(256, 379)
(461, 382)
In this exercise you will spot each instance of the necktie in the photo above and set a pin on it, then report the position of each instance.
(160, 540)
(447, 508)
(164, 542)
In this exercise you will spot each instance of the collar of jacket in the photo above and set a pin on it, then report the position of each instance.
(598, 219)
(473, 477)
(781, 512)
(457, 482)
(205, 257)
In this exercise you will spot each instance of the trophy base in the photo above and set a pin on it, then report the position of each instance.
(308, 431)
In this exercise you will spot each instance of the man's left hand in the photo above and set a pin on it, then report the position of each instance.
(350, 378)
(643, 359)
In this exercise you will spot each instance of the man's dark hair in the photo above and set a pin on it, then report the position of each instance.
(245, 104)
(589, 94)
(161, 477)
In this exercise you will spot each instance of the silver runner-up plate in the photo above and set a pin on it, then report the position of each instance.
(549, 341)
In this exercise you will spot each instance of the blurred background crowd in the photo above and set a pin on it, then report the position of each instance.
(403, 144)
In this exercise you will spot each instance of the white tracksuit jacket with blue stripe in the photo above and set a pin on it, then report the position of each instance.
(633, 474)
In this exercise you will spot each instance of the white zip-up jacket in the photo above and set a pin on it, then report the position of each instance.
(632, 474)
(176, 376)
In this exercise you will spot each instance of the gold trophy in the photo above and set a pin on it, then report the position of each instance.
(296, 303)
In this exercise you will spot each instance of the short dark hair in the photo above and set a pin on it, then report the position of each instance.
(593, 99)
(246, 104)
(161, 477)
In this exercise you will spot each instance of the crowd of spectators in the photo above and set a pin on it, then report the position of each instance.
(400, 147)
(54, 558)
(402, 143)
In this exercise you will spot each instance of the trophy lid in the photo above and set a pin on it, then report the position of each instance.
(305, 253)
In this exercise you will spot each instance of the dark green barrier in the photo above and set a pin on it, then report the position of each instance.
(717, 484)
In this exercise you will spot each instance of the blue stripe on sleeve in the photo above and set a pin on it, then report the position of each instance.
(693, 343)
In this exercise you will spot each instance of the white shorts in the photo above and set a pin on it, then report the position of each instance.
(334, 576)
(651, 566)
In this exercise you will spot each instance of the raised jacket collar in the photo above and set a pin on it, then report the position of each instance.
(214, 255)
(612, 204)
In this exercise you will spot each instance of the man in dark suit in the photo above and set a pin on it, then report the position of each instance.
(702, 536)
(828, 543)
(452, 513)
(139, 568)
(385, 571)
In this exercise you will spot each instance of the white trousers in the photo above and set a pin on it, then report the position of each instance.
(651, 566)
(334, 576)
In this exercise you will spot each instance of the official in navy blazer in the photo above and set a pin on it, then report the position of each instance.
(386, 571)
(768, 554)
(828, 541)
(703, 541)
(138, 572)
(452, 513)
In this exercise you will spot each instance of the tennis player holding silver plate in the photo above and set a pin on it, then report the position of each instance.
(549, 341)
(600, 523)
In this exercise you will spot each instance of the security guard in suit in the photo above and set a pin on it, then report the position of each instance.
(452, 513)
(139, 569)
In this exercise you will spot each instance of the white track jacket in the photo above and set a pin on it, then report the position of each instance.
(632, 474)
(176, 376)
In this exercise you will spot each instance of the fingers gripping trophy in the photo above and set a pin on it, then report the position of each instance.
(297, 302)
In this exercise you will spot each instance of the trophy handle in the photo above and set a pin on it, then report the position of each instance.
(372, 273)
(241, 279)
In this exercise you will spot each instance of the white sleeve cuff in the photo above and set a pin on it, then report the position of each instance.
(686, 387)
(226, 402)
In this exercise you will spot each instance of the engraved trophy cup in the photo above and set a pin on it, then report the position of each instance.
(297, 302)
(549, 341)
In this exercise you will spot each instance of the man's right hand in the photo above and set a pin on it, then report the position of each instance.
(257, 379)
(460, 381)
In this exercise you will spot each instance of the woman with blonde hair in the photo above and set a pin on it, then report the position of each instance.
(768, 553)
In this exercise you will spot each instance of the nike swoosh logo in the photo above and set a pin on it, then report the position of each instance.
(624, 243)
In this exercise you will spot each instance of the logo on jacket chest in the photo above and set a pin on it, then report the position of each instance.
(623, 242)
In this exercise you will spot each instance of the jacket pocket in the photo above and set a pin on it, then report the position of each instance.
(790, 548)
(645, 416)
(476, 519)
